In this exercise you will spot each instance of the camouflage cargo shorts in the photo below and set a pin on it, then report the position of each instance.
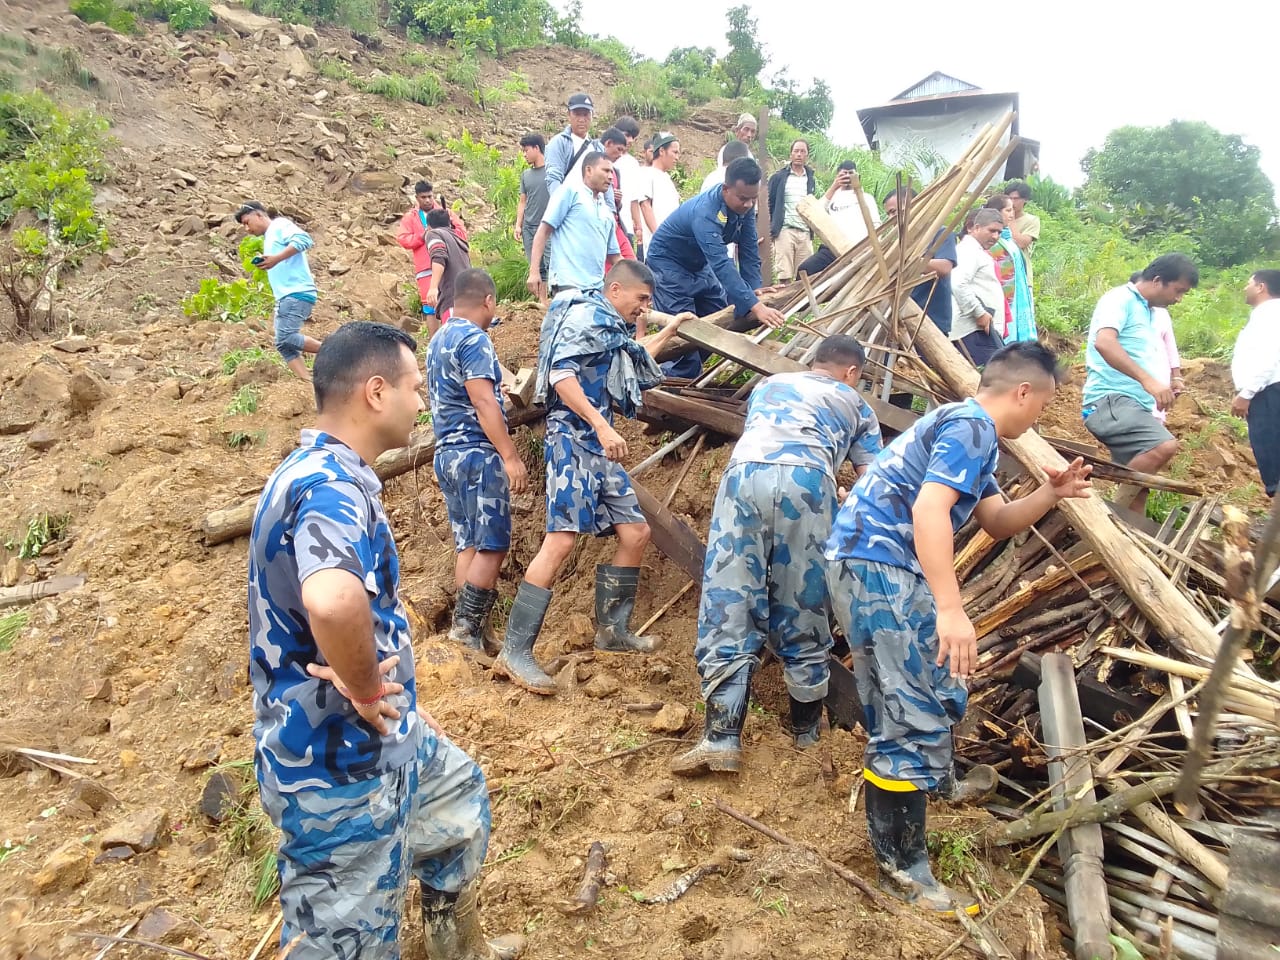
(476, 496)
(888, 615)
(349, 850)
(586, 491)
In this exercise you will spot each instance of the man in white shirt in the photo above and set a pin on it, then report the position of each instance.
(1255, 369)
(975, 289)
(629, 174)
(744, 132)
(633, 192)
(731, 152)
(659, 197)
(842, 203)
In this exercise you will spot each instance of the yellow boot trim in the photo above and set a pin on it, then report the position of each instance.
(893, 786)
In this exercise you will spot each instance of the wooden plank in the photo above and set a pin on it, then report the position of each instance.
(522, 385)
(737, 347)
(715, 418)
(31, 592)
(1247, 926)
(674, 538)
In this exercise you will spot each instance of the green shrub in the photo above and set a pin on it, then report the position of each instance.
(360, 16)
(493, 26)
(424, 88)
(646, 94)
(182, 15)
(109, 12)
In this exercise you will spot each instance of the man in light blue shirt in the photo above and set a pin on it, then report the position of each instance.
(1121, 389)
(284, 249)
(579, 225)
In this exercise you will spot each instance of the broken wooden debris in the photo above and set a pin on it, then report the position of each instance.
(592, 878)
(672, 536)
(31, 592)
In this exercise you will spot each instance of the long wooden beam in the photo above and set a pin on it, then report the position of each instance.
(674, 538)
(704, 414)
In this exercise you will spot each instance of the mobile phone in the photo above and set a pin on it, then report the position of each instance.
(258, 260)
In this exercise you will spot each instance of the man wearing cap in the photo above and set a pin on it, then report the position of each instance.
(586, 239)
(567, 148)
(745, 131)
(660, 198)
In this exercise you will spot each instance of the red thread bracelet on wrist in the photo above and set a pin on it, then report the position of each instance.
(370, 702)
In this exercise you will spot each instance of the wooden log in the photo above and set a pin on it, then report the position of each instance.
(736, 347)
(31, 592)
(712, 416)
(674, 538)
(228, 523)
(522, 385)
(1071, 780)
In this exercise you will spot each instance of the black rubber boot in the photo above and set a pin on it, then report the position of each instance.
(451, 927)
(895, 827)
(720, 749)
(978, 786)
(615, 599)
(806, 722)
(516, 662)
(471, 615)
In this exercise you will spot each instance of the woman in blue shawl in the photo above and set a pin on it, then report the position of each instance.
(1011, 265)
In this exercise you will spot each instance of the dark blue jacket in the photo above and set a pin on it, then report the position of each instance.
(778, 196)
(694, 238)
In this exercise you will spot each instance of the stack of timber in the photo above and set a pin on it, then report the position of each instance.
(1133, 611)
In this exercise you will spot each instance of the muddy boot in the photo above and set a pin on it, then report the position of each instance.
(720, 749)
(451, 926)
(806, 722)
(978, 786)
(516, 662)
(895, 826)
(471, 615)
(615, 599)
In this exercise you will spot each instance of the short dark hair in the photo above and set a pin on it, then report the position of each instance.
(473, 285)
(438, 218)
(613, 135)
(630, 273)
(1135, 276)
(628, 126)
(422, 186)
(352, 354)
(744, 170)
(593, 159)
(985, 216)
(800, 140)
(734, 150)
(842, 350)
(997, 201)
(1269, 279)
(1019, 188)
(251, 206)
(1172, 267)
(1016, 362)
(847, 165)
(534, 140)
(909, 191)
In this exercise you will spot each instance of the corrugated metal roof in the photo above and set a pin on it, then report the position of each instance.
(934, 84)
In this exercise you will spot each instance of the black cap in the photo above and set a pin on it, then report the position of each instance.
(581, 101)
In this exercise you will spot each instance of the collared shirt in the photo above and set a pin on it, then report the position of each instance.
(1124, 310)
(975, 289)
(321, 510)
(808, 419)
(460, 351)
(694, 239)
(955, 445)
(584, 237)
(291, 277)
(1255, 362)
(562, 148)
(934, 296)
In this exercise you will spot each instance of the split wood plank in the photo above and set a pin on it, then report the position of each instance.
(674, 538)
(31, 592)
(715, 418)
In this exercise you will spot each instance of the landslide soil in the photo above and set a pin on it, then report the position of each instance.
(126, 432)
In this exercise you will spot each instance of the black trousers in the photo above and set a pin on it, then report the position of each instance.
(1264, 435)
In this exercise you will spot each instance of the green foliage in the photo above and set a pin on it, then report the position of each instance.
(424, 88)
(245, 401)
(741, 66)
(11, 624)
(956, 854)
(360, 16)
(238, 300)
(182, 15)
(810, 111)
(231, 361)
(1187, 176)
(646, 94)
(492, 26)
(42, 530)
(113, 14)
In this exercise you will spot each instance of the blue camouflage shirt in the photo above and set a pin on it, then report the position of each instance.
(321, 510)
(955, 445)
(808, 419)
(459, 352)
(592, 372)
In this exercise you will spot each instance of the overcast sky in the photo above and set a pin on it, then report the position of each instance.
(1082, 69)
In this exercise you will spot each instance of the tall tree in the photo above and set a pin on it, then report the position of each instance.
(746, 56)
(1188, 171)
(810, 111)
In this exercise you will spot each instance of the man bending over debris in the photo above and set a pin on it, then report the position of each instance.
(476, 464)
(284, 249)
(895, 595)
(363, 784)
(763, 582)
(588, 362)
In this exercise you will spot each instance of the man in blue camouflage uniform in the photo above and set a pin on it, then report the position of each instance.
(764, 581)
(895, 595)
(588, 362)
(362, 783)
(476, 463)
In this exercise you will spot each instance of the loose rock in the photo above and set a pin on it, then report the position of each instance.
(140, 831)
(601, 685)
(672, 718)
(66, 868)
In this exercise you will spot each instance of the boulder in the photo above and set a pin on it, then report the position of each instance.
(85, 391)
(140, 831)
(244, 22)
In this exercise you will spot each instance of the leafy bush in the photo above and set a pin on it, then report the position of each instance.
(360, 16)
(493, 26)
(114, 15)
(232, 302)
(182, 15)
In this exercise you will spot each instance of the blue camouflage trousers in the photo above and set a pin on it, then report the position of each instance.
(763, 580)
(586, 491)
(348, 850)
(476, 496)
(911, 703)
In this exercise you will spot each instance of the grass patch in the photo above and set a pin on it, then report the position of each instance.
(12, 624)
(232, 361)
(956, 855)
(424, 88)
(245, 401)
(247, 833)
(237, 439)
(42, 530)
